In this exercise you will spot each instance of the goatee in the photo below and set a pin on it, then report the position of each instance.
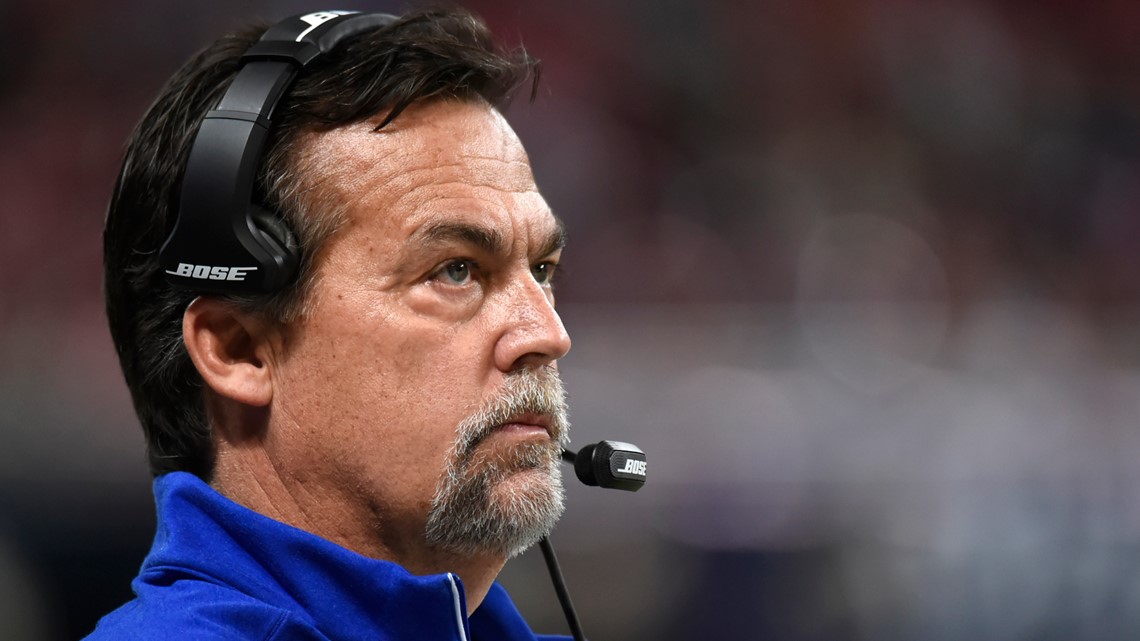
(501, 501)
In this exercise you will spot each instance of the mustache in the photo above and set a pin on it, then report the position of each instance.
(536, 391)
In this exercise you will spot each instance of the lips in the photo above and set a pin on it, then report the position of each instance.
(526, 423)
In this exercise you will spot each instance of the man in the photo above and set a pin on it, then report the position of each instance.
(357, 454)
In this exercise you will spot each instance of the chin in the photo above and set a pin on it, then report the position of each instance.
(499, 512)
(531, 502)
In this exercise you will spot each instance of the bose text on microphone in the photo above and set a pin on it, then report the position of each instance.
(611, 464)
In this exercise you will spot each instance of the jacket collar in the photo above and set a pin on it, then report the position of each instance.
(203, 535)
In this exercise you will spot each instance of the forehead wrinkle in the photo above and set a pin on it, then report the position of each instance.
(398, 169)
(474, 225)
(425, 201)
(488, 239)
(395, 188)
(507, 176)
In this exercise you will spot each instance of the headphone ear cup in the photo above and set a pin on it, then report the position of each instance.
(278, 238)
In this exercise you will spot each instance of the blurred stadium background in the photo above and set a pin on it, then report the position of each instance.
(860, 277)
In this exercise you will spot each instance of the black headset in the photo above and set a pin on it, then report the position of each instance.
(223, 240)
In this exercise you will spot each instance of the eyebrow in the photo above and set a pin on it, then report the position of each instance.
(556, 240)
(486, 239)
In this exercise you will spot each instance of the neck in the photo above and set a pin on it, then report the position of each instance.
(477, 573)
(247, 476)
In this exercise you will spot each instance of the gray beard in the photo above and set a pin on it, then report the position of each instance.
(474, 511)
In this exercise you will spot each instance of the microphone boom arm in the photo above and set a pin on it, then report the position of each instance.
(609, 464)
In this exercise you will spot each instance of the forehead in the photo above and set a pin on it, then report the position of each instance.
(434, 158)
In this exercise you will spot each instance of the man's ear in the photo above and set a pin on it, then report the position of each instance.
(230, 349)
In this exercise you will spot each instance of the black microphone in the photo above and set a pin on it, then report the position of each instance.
(610, 464)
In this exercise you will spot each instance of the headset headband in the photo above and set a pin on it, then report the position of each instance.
(222, 242)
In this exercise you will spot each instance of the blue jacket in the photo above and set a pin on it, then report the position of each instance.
(218, 571)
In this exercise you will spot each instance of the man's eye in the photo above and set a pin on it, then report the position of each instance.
(457, 272)
(544, 272)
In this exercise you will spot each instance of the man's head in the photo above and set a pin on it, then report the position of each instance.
(406, 378)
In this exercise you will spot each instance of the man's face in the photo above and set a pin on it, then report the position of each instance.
(419, 392)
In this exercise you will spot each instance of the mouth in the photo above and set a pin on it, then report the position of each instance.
(526, 424)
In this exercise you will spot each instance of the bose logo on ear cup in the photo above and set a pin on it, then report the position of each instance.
(220, 222)
(207, 272)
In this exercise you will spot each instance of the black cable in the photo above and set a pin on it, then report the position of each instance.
(560, 589)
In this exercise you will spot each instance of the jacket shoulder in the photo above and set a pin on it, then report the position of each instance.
(200, 611)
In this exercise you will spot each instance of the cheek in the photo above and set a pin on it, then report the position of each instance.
(389, 389)
(435, 380)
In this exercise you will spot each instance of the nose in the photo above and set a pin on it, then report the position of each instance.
(533, 334)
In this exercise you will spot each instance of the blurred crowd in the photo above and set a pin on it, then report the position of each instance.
(860, 277)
